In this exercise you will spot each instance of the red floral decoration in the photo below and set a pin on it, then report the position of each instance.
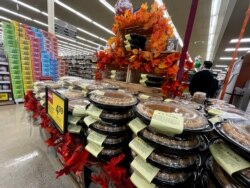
(151, 60)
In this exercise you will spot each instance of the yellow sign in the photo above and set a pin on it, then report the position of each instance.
(4, 97)
(56, 109)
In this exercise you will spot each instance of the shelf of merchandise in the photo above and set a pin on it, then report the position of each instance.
(6, 97)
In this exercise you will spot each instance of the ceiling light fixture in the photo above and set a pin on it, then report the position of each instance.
(26, 5)
(83, 16)
(80, 29)
(239, 49)
(73, 46)
(243, 40)
(14, 13)
(93, 35)
(89, 41)
(217, 70)
(226, 58)
(166, 14)
(106, 4)
(215, 9)
(4, 18)
(41, 23)
(222, 66)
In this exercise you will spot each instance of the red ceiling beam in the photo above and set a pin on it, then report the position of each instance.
(235, 54)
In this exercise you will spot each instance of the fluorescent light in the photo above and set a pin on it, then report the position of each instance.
(215, 9)
(243, 40)
(44, 13)
(4, 18)
(223, 72)
(222, 66)
(26, 5)
(80, 29)
(106, 4)
(89, 41)
(14, 13)
(239, 49)
(41, 23)
(166, 14)
(73, 10)
(227, 58)
(216, 70)
(75, 47)
(83, 16)
(93, 35)
(102, 27)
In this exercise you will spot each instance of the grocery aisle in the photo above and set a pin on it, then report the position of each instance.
(25, 161)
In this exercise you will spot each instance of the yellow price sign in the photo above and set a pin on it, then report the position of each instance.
(4, 96)
(57, 109)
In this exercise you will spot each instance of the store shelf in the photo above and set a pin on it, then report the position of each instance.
(5, 73)
(4, 82)
(3, 63)
(5, 91)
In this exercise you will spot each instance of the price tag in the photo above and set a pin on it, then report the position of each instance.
(168, 100)
(215, 112)
(98, 92)
(141, 148)
(112, 77)
(73, 119)
(42, 102)
(74, 128)
(96, 138)
(140, 182)
(144, 169)
(136, 125)
(93, 149)
(71, 88)
(142, 81)
(214, 120)
(42, 95)
(142, 96)
(79, 110)
(84, 86)
(227, 158)
(89, 120)
(113, 71)
(167, 123)
(94, 111)
(144, 76)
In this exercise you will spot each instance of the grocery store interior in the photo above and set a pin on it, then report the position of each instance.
(124, 93)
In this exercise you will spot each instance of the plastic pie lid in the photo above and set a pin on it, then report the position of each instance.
(174, 162)
(173, 178)
(193, 120)
(175, 144)
(107, 129)
(237, 133)
(75, 94)
(83, 103)
(117, 117)
(187, 104)
(112, 98)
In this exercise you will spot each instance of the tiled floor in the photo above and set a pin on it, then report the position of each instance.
(25, 161)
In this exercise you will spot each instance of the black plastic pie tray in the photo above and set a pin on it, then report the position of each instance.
(201, 146)
(169, 184)
(110, 133)
(116, 118)
(236, 145)
(205, 129)
(155, 78)
(192, 167)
